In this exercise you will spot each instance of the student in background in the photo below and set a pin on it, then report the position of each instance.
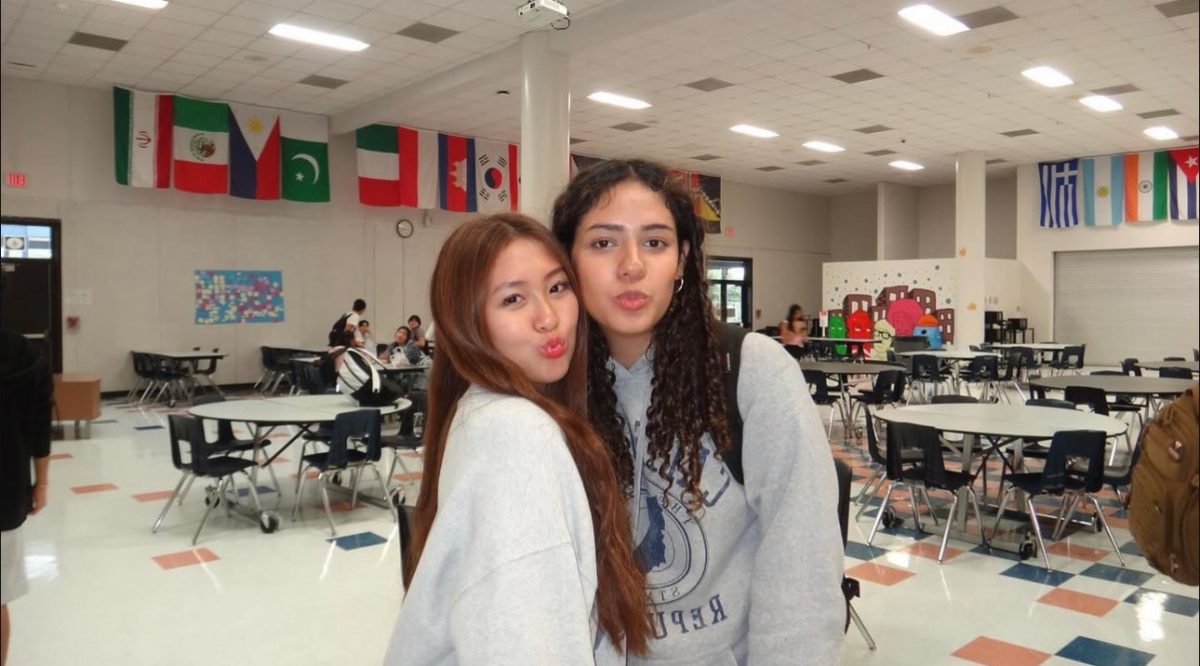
(520, 549)
(403, 351)
(366, 340)
(761, 580)
(418, 334)
(794, 329)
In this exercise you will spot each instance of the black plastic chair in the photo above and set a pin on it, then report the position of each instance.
(894, 459)
(1032, 448)
(1175, 373)
(1129, 366)
(984, 371)
(888, 389)
(851, 588)
(878, 464)
(362, 428)
(405, 440)
(203, 374)
(818, 389)
(927, 371)
(1121, 404)
(1059, 478)
(1070, 360)
(227, 442)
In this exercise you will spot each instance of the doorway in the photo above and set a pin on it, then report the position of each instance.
(31, 265)
(730, 289)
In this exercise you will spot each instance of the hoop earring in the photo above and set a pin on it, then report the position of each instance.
(678, 284)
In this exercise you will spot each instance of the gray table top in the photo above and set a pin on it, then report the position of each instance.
(848, 368)
(292, 410)
(1194, 366)
(184, 355)
(1002, 420)
(1036, 346)
(953, 354)
(1123, 384)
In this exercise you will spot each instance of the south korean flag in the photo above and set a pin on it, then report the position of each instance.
(495, 176)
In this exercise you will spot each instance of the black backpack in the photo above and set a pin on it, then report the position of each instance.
(731, 346)
(339, 327)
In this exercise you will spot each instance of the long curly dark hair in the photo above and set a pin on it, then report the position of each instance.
(687, 393)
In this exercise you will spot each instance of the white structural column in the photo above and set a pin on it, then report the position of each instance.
(545, 125)
(970, 235)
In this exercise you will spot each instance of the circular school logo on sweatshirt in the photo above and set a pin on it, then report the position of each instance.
(670, 545)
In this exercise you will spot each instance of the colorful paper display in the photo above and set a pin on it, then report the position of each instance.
(239, 297)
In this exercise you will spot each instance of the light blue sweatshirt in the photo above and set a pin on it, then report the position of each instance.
(508, 574)
(754, 577)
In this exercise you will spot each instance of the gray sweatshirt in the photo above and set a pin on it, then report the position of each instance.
(754, 577)
(508, 575)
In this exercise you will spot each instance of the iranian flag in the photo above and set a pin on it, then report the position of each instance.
(305, 144)
(201, 146)
(495, 176)
(142, 131)
(397, 166)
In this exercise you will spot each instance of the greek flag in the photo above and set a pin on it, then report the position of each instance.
(1060, 184)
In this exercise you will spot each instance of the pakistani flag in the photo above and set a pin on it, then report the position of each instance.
(305, 144)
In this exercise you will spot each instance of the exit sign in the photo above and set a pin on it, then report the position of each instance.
(15, 179)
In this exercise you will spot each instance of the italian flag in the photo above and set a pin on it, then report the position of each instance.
(142, 130)
(397, 166)
(201, 146)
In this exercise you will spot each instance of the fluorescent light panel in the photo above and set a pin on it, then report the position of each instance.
(1047, 76)
(1160, 133)
(145, 4)
(905, 165)
(618, 100)
(933, 20)
(329, 40)
(823, 146)
(751, 130)
(1101, 103)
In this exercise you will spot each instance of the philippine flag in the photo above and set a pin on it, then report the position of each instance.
(254, 152)
(457, 190)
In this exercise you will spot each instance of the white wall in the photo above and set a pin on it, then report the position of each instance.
(1004, 280)
(1036, 247)
(853, 227)
(786, 234)
(935, 230)
(898, 218)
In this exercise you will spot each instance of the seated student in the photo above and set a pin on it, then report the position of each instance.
(403, 350)
(521, 551)
(366, 340)
(793, 332)
(418, 334)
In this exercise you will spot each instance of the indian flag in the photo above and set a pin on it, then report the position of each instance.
(1146, 186)
(397, 166)
(142, 131)
(201, 145)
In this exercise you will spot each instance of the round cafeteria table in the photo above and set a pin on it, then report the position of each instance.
(1035, 346)
(948, 354)
(1116, 384)
(1194, 366)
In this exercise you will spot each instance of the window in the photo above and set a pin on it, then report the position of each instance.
(729, 289)
(26, 242)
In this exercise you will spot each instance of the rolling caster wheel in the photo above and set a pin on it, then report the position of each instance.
(1096, 527)
(268, 522)
(1027, 550)
(211, 498)
(397, 499)
(890, 519)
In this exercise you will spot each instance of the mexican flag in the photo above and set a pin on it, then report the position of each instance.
(201, 146)
(142, 131)
(397, 166)
(305, 145)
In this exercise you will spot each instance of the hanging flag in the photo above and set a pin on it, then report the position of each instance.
(142, 130)
(397, 166)
(496, 176)
(304, 144)
(1059, 193)
(253, 152)
(456, 173)
(1145, 186)
(1103, 190)
(1181, 177)
(201, 145)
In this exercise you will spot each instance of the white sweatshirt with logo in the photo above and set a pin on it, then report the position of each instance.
(508, 575)
(754, 577)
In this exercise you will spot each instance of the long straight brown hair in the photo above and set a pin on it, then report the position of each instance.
(466, 355)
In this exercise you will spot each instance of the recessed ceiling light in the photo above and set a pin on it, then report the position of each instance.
(751, 130)
(933, 20)
(145, 4)
(330, 40)
(618, 100)
(905, 165)
(823, 146)
(1160, 133)
(1047, 76)
(1101, 103)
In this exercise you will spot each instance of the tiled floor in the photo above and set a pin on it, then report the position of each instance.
(104, 590)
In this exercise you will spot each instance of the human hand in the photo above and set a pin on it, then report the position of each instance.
(39, 499)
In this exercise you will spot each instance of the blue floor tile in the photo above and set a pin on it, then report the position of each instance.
(104, 421)
(242, 492)
(1172, 603)
(360, 540)
(1117, 574)
(1132, 548)
(862, 551)
(1037, 574)
(1098, 653)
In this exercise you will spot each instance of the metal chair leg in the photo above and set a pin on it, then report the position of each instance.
(946, 533)
(866, 501)
(1000, 511)
(1064, 517)
(929, 505)
(882, 507)
(979, 519)
(170, 500)
(1037, 531)
(299, 489)
(186, 489)
(1107, 530)
(862, 628)
(913, 502)
(321, 483)
(213, 499)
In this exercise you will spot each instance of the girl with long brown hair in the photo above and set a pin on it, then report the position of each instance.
(520, 550)
(737, 571)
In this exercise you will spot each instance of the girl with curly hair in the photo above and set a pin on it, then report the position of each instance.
(745, 573)
(520, 550)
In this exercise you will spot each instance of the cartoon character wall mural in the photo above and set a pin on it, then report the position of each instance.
(884, 331)
(907, 310)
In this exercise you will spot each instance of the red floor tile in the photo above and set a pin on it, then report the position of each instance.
(60, 456)
(185, 558)
(152, 496)
(93, 488)
(1079, 602)
(989, 651)
(878, 573)
(410, 476)
(930, 550)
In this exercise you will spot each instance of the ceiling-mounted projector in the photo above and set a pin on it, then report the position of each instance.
(541, 13)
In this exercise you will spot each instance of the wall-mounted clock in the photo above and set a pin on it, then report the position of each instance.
(404, 228)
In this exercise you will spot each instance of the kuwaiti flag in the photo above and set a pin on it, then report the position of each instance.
(253, 152)
(397, 166)
(304, 144)
(456, 173)
(1181, 179)
(142, 130)
(201, 145)
(496, 176)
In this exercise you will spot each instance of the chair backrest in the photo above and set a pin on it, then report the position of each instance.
(1090, 396)
(872, 440)
(924, 438)
(1107, 373)
(952, 398)
(1066, 448)
(420, 402)
(1195, 354)
(311, 378)
(924, 367)
(1175, 373)
(1072, 356)
(360, 425)
(984, 368)
(268, 357)
(818, 386)
(1129, 367)
(1174, 358)
(190, 429)
(210, 366)
(1012, 369)
(179, 429)
(889, 385)
(224, 428)
(1050, 402)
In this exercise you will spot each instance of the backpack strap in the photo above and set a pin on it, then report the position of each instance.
(731, 351)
